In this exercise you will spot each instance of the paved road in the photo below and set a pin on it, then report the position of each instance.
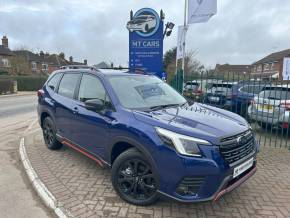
(16, 105)
(17, 198)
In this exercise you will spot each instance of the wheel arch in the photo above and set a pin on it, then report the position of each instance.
(121, 144)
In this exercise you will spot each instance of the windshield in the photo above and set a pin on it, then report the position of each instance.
(144, 92)
(275, 93)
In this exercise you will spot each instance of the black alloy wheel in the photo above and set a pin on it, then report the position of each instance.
(49, 134)
(133, 178)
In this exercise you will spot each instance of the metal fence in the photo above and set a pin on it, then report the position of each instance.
(263, 101)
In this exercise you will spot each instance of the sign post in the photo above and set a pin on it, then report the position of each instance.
(195, 11)
(146, 42)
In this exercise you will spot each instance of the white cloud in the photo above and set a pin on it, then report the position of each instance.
(241, 32)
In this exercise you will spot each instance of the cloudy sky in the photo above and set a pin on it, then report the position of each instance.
(242, 31)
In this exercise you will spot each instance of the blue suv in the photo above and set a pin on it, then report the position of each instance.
(154, 141)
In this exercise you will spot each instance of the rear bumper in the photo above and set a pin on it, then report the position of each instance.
(275, 121)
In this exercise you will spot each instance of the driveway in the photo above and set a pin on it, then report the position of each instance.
(84, 189)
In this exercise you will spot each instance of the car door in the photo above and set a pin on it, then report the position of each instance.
(65, 104)
(92, 126)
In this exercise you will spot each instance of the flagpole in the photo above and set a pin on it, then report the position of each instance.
(184, 53)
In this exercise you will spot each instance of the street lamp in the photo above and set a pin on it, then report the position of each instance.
(168, 29)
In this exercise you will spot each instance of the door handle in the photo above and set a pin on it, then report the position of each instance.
(75, 110)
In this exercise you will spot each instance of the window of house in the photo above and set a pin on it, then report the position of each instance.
(44, 67)
(259, 68)
(5, 62)
(272, 66)
(68, 84)
(266, 66)
(34, 65)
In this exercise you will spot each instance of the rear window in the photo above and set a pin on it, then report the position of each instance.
(52, 83)
(225, 85)
(68, 84)
(253, 89)
(278, 93)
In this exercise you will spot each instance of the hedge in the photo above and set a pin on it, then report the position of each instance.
(27, 83)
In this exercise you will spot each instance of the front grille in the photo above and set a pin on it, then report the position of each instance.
(236, 147)
(190, 185)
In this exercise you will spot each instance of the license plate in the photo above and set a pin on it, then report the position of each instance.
(243, 167)
(216, 99)
(265, 107)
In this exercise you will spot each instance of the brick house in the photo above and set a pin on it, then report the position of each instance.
(270, 66)
(45, 63)
(5, 55)
(232, 70)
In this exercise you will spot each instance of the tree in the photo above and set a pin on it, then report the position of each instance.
(193, 67)
(19, 65)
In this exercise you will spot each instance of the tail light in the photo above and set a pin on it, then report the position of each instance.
(285, 105)
(253, 102)
(198, 92)
(40, 93)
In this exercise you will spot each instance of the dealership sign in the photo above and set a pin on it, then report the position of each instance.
(146, 42)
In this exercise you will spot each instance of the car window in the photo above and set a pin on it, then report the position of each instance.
(278, 93)
(52, 83)
(68, 84)
(92, 88)
(143, 92)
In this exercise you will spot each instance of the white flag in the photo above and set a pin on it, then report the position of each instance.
(180, 41)
(200, 11)
(286, 69)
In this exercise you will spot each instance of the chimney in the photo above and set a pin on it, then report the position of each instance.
(41, 54)
(85, 62)
(5, 41)
(71, 59)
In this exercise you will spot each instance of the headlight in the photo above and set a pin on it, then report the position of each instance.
(185, 145)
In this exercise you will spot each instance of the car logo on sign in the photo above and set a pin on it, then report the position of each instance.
(145, 22)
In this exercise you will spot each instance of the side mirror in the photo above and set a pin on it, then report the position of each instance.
(94, 105)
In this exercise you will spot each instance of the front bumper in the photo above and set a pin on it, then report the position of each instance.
(216, 173)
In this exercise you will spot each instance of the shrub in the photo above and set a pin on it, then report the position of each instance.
(27, 83)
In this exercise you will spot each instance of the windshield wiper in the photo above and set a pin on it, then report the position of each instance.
(159, 107)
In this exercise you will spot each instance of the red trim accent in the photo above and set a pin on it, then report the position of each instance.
(235, 185)
(83, 152)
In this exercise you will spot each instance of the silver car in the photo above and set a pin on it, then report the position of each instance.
(271, 108)
(143, 23)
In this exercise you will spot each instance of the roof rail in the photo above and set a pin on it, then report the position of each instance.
(123, 68)
(77, 67)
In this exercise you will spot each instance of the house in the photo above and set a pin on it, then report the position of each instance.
(5, 55)
(270, 66)
(46, 63)
(232, 70)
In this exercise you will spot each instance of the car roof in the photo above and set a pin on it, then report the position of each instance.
(102, 72)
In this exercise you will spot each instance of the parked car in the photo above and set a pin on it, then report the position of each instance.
(155, 143)
(271, 108)
(143, 23)
(243, 93)
(195, 90)
(219, 95)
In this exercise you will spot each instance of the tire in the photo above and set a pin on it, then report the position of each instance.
(146, 28)
(48, 130)
(138, 188)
